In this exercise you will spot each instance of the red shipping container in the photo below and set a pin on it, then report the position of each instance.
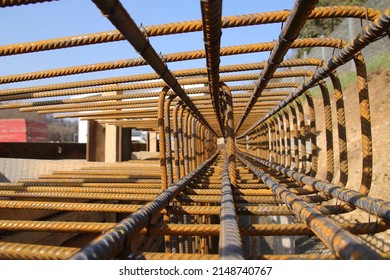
(21, 130)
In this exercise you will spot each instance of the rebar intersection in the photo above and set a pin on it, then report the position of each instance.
(203, 199)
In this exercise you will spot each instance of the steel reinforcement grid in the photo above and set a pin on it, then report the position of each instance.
(251, 155)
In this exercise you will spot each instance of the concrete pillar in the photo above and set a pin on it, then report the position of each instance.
(152, 141)
(95, 141)
(125, 144)
(111, 144)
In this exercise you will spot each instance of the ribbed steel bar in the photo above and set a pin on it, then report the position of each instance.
(120, 18)
(180, 27)
(21, 251)
(137, 86)
(230, 139)
(126, 208)
(216, 199)
(149, 173)
(154, 76)
(168, 138)
(103, 176)
(176, 140)
(297, 18)
(369, 34)
(69, 206)
(282, 139)
(344, 244)
(163, 155)
(193, 141)
(83, 102)
(10, 3)
(277, 139)
(365, 120)
(198, 54)
(341, 127)
(373, 206)
(183, 229)
(82, 195)
(180, 139)
(115, 240)
(77, 183)
(162, 144)
(162, 256)
(212, 33)
(230, 244)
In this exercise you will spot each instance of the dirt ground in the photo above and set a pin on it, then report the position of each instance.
(378, 83)
(379, 94)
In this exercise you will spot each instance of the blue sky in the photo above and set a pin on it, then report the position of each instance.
(77, 17)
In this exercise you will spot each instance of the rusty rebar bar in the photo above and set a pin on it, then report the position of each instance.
(114, 241)
(10, 3)
(297, 18)
(344, 244)
(181, 27)
(230, 244)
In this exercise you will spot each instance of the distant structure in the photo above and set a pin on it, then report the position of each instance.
(23, 131)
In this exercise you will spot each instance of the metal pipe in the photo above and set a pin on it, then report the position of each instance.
(161, 130)
(136, 86)
(183, 229)
(21, 251)
(212, 33)
(162, 256)
(168, 138)
(373, 206)
(118, 64)
(11, 3)
(181, 27)
(154, 76)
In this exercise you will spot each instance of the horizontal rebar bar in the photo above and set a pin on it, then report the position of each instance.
(178, 27)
